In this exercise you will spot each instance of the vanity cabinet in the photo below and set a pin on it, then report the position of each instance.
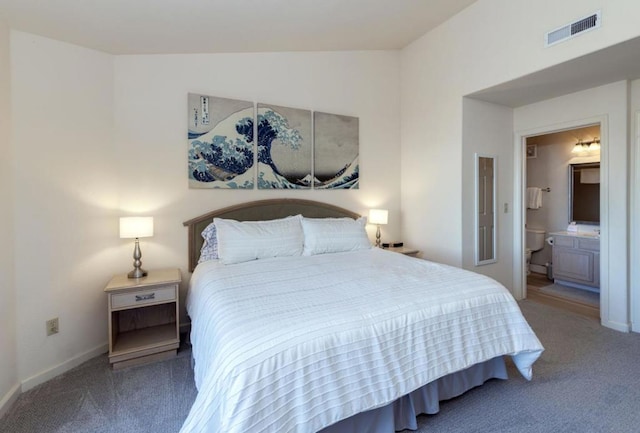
(576, 261)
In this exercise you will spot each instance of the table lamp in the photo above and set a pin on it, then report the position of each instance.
(136, 227)
(378, 217)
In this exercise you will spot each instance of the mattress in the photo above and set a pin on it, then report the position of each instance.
(297, 344)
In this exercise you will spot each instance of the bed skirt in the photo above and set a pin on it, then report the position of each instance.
(402, 413)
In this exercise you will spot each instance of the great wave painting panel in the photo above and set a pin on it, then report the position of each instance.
(284, 147)
(221, 142)
(336, 151)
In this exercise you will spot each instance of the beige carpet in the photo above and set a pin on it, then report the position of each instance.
(587, 380)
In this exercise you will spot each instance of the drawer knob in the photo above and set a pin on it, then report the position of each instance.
(145, 297)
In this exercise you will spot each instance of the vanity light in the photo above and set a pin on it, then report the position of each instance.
(136, 227)
(579, 147)
(378, 217)
(586, 146)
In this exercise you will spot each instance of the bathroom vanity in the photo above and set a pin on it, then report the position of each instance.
(576, 260)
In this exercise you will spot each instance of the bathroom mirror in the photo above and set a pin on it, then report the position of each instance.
(485, 209)
(584, 200)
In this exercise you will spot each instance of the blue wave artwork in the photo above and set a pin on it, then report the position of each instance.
(336, 151)
(346, 178)
(220, 143)
(284, 148)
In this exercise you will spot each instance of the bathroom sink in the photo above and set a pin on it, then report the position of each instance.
(588, 234)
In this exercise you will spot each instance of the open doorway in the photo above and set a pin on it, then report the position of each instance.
(562, 225)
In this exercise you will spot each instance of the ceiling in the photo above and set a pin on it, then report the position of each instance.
(217, 26)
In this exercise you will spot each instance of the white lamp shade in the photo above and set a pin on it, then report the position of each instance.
(378, 216)
(136, 227)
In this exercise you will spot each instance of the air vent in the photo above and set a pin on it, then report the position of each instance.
(573, 29)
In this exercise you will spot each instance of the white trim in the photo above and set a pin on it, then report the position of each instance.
(605, 293)
(63, 367)
(616, 326)
(538, 269)
(634, 231)
(9, 398)
(519, 211)
(494, 237)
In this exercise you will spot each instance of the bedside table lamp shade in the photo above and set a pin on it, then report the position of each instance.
(136, 227)
(378, 217)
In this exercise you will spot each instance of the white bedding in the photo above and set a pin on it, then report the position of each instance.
(296, 344)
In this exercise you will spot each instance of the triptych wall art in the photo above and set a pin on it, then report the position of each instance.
(291, 150)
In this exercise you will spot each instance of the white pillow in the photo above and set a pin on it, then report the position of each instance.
(251, 240)
(333, 235)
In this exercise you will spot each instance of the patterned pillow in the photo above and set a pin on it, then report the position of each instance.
(209, 250)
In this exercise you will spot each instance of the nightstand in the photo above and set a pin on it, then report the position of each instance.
(404, 250)
(143, 317)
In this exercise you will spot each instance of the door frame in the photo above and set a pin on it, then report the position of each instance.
(519, 209)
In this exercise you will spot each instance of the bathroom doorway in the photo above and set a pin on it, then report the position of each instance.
(573, 281)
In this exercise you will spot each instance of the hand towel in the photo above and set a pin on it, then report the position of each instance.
(534, 198)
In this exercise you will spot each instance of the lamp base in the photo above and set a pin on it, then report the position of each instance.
(378, 237)
(137, 273)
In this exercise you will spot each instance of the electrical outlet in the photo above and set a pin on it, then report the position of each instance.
(52, 326)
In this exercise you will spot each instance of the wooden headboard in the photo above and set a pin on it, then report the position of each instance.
(258, 211)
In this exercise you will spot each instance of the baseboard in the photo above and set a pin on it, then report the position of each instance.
(65, 366)
(9, 399)
(538, 269)
(622, 327)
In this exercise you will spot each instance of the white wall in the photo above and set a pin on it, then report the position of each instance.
(151, 128)
(65, 196)
(8, 366)
(471, 52)
(610, 104)
(98, 136)
(496, 141)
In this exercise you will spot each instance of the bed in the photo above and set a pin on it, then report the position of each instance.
(347, 340)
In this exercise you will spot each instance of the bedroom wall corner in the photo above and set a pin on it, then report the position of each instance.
(65, 217)
(9, 386)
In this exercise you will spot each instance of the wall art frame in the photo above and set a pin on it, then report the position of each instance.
(220, 142)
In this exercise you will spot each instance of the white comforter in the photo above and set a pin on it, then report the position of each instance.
(297, 344)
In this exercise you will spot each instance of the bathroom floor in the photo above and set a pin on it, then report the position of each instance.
(542, 290)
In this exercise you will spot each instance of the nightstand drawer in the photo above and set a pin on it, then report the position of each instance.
(142, 297)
